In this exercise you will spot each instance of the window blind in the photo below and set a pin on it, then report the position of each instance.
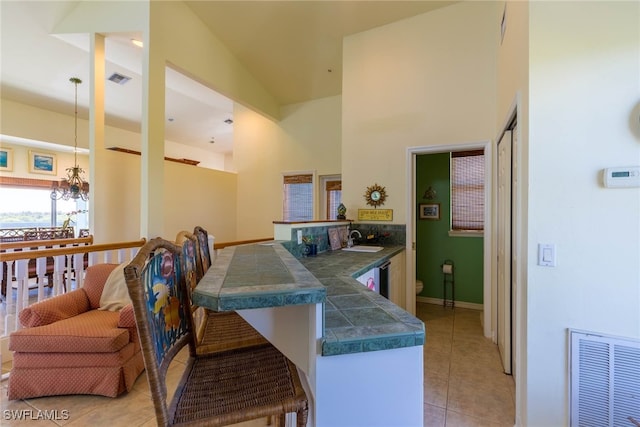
(298, 198)
(334, 198)
(467, 190)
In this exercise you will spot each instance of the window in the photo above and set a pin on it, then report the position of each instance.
(331, 195)
(467, 191)
(298, 197)
(28, 203)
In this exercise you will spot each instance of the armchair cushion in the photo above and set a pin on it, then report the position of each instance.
(127, 317)
(54, 309)
(94, 331)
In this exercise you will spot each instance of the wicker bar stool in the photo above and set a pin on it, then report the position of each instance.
(216, 331)
(215, 389)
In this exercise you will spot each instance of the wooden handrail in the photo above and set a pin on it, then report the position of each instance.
(12, 256)
(48, 242)
(223, 245)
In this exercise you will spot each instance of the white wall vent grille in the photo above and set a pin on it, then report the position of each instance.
(605, 380)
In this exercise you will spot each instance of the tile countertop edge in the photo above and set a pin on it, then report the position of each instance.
(210, 292)
(344, 340)
(405, 330)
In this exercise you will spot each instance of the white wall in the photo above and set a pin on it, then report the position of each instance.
(307, 138)
(584, 86)
(513, 93)
(427, 80)
(192, 195)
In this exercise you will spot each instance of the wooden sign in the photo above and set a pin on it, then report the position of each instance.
(375, 214)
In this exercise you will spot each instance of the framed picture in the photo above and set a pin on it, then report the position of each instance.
(430, 211)
(40, 162)
(6, 159)
(334, 238)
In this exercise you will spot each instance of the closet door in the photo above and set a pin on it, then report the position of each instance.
(504, 297)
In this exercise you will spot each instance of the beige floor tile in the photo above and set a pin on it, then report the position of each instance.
(463, 383)
(437, 362)
(436, 388)
(75, 406)
(478, 392)
(434, 416)
(481, 400)
(132, 409)
(455, 419)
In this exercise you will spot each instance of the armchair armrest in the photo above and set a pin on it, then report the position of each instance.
(53, 309)
(127, 318)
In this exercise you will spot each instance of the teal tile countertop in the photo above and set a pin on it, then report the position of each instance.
(357, 319)
(257, 276)
(267, 275)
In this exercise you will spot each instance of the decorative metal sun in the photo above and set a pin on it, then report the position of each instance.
(375, 195)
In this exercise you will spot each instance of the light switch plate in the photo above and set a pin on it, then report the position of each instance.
(547, 254)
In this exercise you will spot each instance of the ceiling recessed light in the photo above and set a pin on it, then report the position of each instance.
(137, 43)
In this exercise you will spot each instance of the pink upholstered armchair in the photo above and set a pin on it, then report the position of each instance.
(68, 346)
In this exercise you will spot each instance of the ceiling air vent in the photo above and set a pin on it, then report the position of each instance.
(119, 78)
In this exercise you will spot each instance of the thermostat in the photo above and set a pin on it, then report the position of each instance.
(622, 177)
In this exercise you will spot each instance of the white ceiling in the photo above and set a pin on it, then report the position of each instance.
(294, 48)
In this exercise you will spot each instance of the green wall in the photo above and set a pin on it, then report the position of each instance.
(433, 244)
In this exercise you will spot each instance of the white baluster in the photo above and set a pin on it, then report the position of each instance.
(2, 264)
(78, 267)
(93, 258)
(22, 291)
(58, 274)
(41, 272)
(10, 317)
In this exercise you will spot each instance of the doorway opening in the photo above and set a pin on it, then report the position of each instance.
(413, 218)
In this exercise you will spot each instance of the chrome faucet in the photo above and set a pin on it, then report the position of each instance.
(350, 239)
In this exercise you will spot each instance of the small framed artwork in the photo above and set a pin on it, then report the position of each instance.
(6, 159)
(334, 238)
(430, 211)
(40, 162)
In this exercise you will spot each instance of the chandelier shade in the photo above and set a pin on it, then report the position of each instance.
(74, 186)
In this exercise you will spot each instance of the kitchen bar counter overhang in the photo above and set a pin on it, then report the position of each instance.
(355, 319)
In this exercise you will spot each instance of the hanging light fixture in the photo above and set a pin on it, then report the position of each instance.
(73, 187)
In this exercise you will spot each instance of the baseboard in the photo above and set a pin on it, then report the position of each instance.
(460, 304)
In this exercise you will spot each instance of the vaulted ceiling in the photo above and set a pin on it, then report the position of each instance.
(293, 48)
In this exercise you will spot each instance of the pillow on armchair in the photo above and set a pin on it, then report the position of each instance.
(115, 294)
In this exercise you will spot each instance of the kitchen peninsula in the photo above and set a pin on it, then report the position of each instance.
(360, 354)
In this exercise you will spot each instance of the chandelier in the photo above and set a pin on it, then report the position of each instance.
(73, 187)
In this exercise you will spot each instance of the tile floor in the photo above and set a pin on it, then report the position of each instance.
(463, 384)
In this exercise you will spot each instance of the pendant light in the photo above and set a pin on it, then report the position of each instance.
(73, 187)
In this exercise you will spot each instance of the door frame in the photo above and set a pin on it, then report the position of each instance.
(505, 235)
(488, 239)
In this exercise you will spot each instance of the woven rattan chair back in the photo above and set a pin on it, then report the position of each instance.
(191, 252)
(156, 284)
(183, 236)
(215, 389)
(215, 331)
(203, 247)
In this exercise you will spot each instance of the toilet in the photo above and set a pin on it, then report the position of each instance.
(419, 286)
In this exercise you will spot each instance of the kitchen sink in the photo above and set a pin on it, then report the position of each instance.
(363, 248)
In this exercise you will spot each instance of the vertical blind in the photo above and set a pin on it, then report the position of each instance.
(334, 198)
(467, 190)
(298, 198)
